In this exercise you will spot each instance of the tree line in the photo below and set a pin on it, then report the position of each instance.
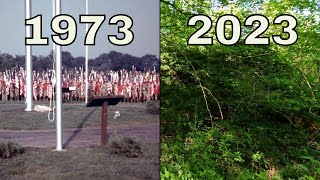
(105, 62)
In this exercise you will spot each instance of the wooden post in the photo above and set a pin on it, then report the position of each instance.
(104, 101)
(104, 123)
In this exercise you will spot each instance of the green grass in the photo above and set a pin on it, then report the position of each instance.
(95, 162)
(14, 117)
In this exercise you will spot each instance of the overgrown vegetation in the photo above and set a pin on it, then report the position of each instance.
(239, 112)
(9, 149)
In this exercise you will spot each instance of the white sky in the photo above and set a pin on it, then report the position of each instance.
(145, 15)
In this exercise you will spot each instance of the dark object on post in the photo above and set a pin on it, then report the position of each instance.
(104, 101)
(65, 90)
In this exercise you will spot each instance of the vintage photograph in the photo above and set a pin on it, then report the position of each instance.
(79, 89)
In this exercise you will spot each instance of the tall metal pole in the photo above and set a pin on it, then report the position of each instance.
(86, 59)
(53, 15)
(58, 86)
(28, 60)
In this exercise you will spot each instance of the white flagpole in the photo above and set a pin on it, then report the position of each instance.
(53, 15)
(58, 85)
(28, 60)
(86, 59)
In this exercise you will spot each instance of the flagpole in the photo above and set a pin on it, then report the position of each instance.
(53, 15)
(58, 84)
(86, 59)
(28, 60)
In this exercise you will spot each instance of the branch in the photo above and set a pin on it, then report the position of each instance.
(284, 116)
(305, 78)
(205, 97)
(221, 115)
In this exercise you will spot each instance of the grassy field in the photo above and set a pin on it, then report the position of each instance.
(83, 163)
(93, 162)
(13, 116)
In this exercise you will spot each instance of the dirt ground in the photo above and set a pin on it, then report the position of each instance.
(81, 125)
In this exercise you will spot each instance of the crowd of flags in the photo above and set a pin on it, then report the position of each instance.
(135, 86)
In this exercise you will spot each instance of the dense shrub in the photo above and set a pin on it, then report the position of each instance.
(127, 146)
(232, 152)
(269, 97)
(9, 149)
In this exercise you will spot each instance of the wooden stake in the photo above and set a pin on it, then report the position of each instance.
(104, 123)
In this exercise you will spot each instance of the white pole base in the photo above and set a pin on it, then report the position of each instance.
(28, 110)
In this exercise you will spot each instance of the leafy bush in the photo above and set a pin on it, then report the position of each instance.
(266, 106)
(127, 146)
(215, 157)
(242, 150)
(249, 82)
(9, 149)
(153, 107)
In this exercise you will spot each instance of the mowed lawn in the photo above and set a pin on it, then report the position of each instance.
(82, 163)
(13, 116)
(94, 162)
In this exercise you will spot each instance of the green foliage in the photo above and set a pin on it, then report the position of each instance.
(269, 96)
(202, 155)
(258, 81)
(258, 86)
(242, 150)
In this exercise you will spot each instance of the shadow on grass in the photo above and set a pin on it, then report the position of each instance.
(79, 128)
